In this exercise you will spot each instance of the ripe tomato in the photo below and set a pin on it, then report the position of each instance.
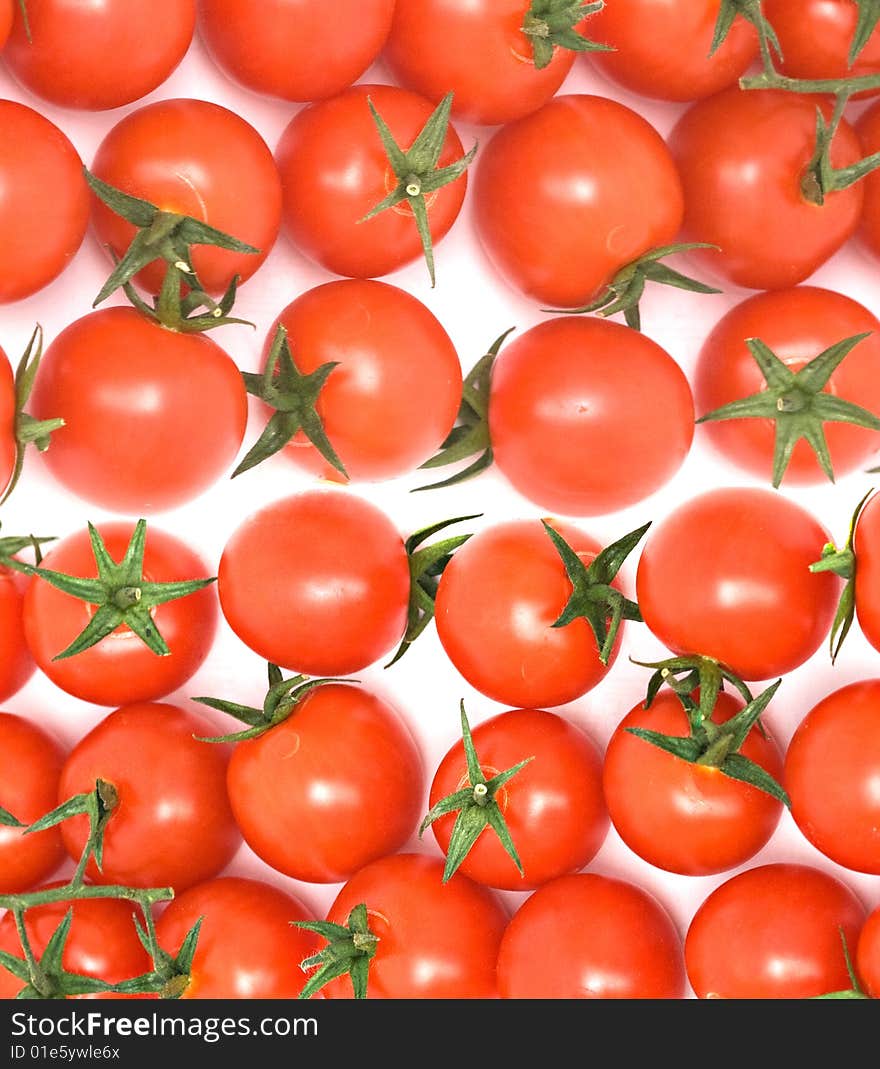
(16, 663)
(173, 826)
(334, 786)
(787, 920)
(553, 807)
(152, 417)
(99, 56)
(334, 171)
(395, 394)
(661, 49)
(832, 769)
(198, 159)
(687, 818)
(44, 202)
(248, 946)
(435, 940)
(867, 958)
(295, 49)
(7, 16)
(590, 936)
(30, 764)
(318, 583)
(726, 575)
(743, 159)
(8, 406)
(120, 668)
(798, 325)
(868, 129)
(867, 550)
(587, 417)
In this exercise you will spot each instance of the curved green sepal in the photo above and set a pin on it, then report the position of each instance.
(866, 23)
(750, 10)
(99, 806)
(47, 978)
(12, 544)
(855, 990)
(550, 24)
(7, 820)
(349, 951)
(686, 674)
(821, 177)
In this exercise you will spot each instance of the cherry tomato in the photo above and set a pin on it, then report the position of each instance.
(832, 769)
(798, 325)
(172, 826)
(44, 202)
(152, 417)
(30, 764)
(553, 807)
(248, 946)
(334, 171)
(867, 549)
(120, 668)
(787, 921)
(99, 56)
(497, 601)
(661, 48)
(334, 786)
(295, 49)
(317, 583)
(727, 575)
(16, 663)
(199, 159)
(868, 954)
(395, 394)
(587, 417)
(868, 128)
(687, 818)
(591, 936)
(436, 940)
(743, 158)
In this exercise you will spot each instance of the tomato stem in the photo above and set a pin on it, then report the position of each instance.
(550, 24)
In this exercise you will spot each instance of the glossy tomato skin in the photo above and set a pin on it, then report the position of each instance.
(742, 158)
(569, 195)
(120, 668)
(199, 159)
(497, 601)
(173, 826)
(394, 397)
(30, 764)
(436, 940)
(798, 324)
(318, 583)
(553, 807)
(787, 919)
(832, 768)
(7, 15)
(296, 49)
(587, 417)
(151, 417)
(248, 945)
(8, 407)
(16, 664)
(868, 955)
(867, 548)
(868, 129)
(687, 818)
(661, 49)
(591, 936)
(334, 171)
(331, 788)
(44, 202)
(727, 575)
(99, 56)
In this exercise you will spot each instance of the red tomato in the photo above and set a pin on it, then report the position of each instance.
(248, 944)
(832, 769)
(44, 202)
(102, 55)
(8, 405)
(436, 940)
(590, 936)
(867, 959)
(798, 325)
(868, 128)
(317, 583)
(30, 764)
(334, 170)
(661, 48)
(334, 786)
(687, 818)
(395, 394)
(16, 663)
(497, 601)
(726, 575)
(197, 159)
(867, 549)
(152, 417)
(553, 807)
(7, 15)
(787, 921)
(587, 417)
(173, 826)
(295, 49)
(742, 158)
(120, 668)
